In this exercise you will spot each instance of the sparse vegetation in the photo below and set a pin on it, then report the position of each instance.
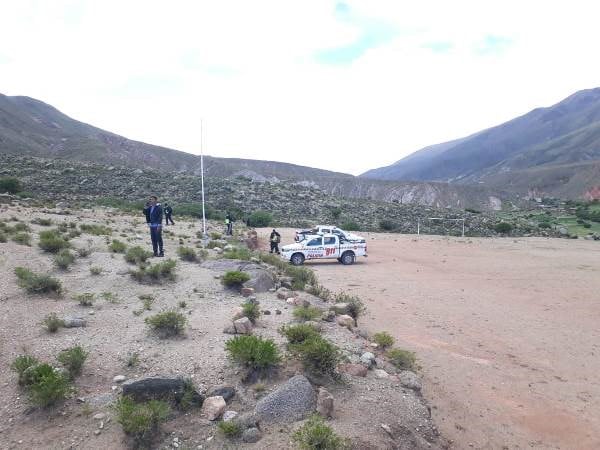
(10, 185)
(387, 225)
(85, 299)
(52, 242)
(167, 323)
(41, 221)
(37, 284)
(95, 270)
(147, 301)
(157, 273)
(52, 323)
(64, 258)
(260, 219)
(315, 434)
(251, 311)
(297, 334)
(22, 238)
(137, 255)
(402, 359)
(109, 297)
(355, 305)
(21, 364)
(503, 227)
(253, 352)
(84, 252)
(72, 359)
(231, 429)
(306, 313)
(319, 291)
(234, 279)
(182, 304)
(383, 339)
(318, 355)
(96, 230)
(117, 246)
(141, 421)
(46, 385)
(238, 253)
(187, 254)
(301, 276)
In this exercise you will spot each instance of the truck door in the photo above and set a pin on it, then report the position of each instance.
(314, 248)
(332, 248)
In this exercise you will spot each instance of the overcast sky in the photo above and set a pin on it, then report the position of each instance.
(340, 85)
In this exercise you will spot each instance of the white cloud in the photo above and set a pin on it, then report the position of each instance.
(150, 70)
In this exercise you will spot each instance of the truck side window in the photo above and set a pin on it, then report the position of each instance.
(329, 240)
(314, 242)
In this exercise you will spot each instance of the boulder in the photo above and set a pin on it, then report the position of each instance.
(238, 313)
(247, 291)
(356, 370)
(228, 416)
(261, 280)
(409, 380)
(229, 329)
(290, 402)
(251, 435)
(160, 389)
(345, 321)
(367, 359)
(340, 308)
(227, 392)
(74, 322)
(282, 293)
(243, 326)
(213, 407)
(324, 402)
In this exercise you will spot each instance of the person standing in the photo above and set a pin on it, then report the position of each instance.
(168, 214)
(275, 239)
(154, 218)
(229, 224)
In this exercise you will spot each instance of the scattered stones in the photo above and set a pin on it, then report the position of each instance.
(345, 321)
(247, 291)
(243, 326)
(328, 316)
(367, 359)
(409, 380)
(99, 416)
(292, 401)
(228, 416)
(74, 322)
(227, 392)
(356, 370)
(119, 379)
(213, 407)
(229, 329)
(380, 373)
(340, 308)
(324, 402)
(251, 435)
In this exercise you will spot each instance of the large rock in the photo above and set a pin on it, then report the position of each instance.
(160, 389)
(324, 403)
(213, 407)
(356, 370)
(367, 359)
(261, 280)
(227, 392)
(290, 402)
(345, 321)
(243, 326)
(340, 308)
(251, 435)
(73, 322)
(409, 380)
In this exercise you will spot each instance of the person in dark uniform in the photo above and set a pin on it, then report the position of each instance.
(275, 239)
(168, 214)
(229, 224)
(154, 218)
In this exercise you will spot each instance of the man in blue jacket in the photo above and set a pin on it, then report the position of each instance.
(154, 217)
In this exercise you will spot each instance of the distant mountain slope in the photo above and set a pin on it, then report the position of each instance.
(564, 134)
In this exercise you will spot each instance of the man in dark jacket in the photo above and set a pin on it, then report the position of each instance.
(168, 214)
(154, 218)
(275, 240)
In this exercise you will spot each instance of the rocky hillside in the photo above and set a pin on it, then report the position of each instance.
(560, 144)
(290, 204)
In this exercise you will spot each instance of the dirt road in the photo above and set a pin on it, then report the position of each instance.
(507, 331)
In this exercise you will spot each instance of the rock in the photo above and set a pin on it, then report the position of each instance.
(361, 332)
(99, 416)
(286, 282)
(324, 403)
(282, 293)
(159, 388)
(238, 313)
(243, 326)
(380, 373)
(301, 302)
(409, 380)
(74, 322)
(356, 370)
(345, 321)
(266, 312)
(290, 402)
(291, 301)
(251, 435)
(119, 378)
(227, 392)
(228, 416)
(340, 308)
(247, 291)
(328, 316)
(277, 312)
(252, 299)
(213, 407)
(229, 329)
(218, 250)
(247, 420)
(367, 359)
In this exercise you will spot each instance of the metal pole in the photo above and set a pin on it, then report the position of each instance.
(418, 226)
(463, 233)
(202, 177)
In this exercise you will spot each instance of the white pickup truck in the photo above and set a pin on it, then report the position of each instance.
(323, 246)
(328, 229)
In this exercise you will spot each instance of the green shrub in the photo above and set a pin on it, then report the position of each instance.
(85, 299)
(22, 238)
(157, 273)
(402, 359)
(3, 237)
(10, 185)
(234, 279)
(20, 227)
(41, 221)
(147, 301)
(297, 334)
(214, 236)
(274, 260)
(84, 252)
(95, 270)
(351, 225)
(545, 225)
(46, 385)
(182, 304)
(167, 323)
(319, 291)
(355, 305)
(214, 244)
(141, 421)
(37, 284)
(318, 355)
(52, 323)
(238, 253)
(503, 227)
(306, 313)
(21, 364)
(230, 429)
(137, 255)
(187, 254)
(260, 219)
(51, 241)
(316, 434)
(301, 276)
(251, 311)
(117, 246)
(64, 259)
(383, 339)
(387, 225)
(253, 352)
(96, 230)
(72, 359)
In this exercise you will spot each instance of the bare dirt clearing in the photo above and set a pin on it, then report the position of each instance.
(506, 331)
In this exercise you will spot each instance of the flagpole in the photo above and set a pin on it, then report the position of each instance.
(202, 177)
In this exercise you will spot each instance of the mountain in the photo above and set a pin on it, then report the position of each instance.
(31, 128)
(545, 144)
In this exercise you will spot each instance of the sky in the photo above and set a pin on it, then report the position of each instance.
(339, 85)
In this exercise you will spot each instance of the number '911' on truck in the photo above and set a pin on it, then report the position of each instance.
(326, 246)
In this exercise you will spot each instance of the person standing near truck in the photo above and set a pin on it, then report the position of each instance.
(275, 239)
(168, 214)
(228, 225)
(154, 218)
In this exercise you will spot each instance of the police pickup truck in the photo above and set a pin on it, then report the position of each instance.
(324, 246)
(328, 229)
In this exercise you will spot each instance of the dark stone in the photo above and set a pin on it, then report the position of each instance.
(172, 389)
(227, 392)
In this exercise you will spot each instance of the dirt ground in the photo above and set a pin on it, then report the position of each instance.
(506, 330)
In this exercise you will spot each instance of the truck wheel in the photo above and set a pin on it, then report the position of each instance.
(348, 258)
(297, 259)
